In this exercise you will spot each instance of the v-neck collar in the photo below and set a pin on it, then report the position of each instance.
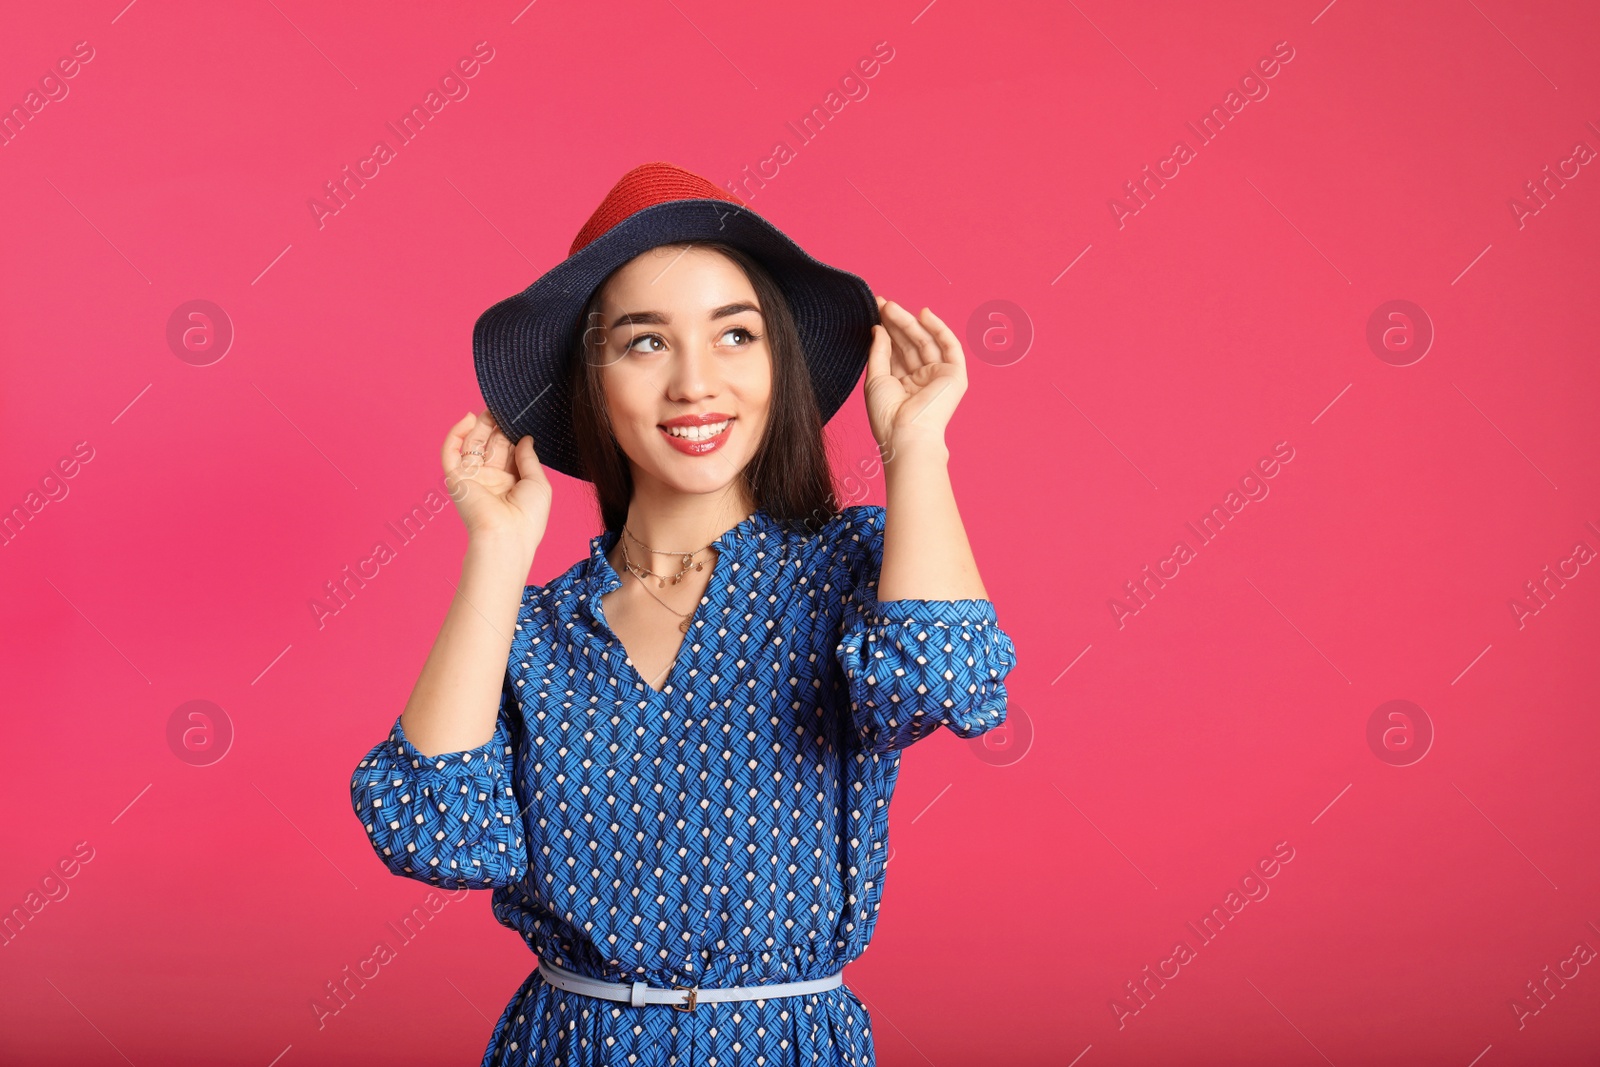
(600, 577)
(603, 578)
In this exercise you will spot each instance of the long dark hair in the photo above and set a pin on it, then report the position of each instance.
(788, 477)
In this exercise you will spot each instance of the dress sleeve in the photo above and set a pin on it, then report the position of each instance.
(450, 820)
(914, 665)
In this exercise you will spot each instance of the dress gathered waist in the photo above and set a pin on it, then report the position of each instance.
(682, 998)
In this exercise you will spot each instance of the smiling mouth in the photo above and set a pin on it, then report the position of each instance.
(698, 439)
(698, 433)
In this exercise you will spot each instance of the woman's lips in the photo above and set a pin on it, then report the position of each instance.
(697, 448)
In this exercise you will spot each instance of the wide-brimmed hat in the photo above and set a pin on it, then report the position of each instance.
(521, 345)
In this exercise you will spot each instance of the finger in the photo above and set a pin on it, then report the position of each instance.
(878, 354)
(499, 446)
(477, 440)
(903, 351)
(878, 374)
(949, 343)
(916, 346)
(499, 452)
(481, 429)
(527, 458)
(450, 451)
(927, 347)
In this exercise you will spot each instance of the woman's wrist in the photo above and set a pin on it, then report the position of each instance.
(917, 453)
(499, 552)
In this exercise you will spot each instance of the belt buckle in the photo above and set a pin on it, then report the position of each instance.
(688, 1005)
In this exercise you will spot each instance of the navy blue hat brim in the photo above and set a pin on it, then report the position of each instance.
(521, 345)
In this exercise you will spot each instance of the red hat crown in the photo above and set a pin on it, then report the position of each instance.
(645, 186)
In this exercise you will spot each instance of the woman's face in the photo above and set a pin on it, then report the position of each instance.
(684, 336)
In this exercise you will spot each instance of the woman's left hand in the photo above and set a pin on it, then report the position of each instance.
(916, 374)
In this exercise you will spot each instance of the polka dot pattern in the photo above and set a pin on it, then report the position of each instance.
(729, 829)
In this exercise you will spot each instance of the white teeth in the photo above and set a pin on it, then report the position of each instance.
(698, 433)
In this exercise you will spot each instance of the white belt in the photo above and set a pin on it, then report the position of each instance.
(682, 998)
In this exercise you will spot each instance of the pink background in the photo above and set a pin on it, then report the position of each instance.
(1147, 766)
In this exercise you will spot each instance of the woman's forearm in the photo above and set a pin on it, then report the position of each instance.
(457, 696)
(926, 555)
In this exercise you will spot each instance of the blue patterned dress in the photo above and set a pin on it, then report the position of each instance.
(730, 829)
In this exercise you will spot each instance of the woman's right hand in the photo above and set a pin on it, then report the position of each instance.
(503, 495)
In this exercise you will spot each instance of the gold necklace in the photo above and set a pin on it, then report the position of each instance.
(689, 563)
(687, 558)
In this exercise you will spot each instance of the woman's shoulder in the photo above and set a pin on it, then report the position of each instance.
(845, 527)
(833, 554)
(533, 614)
(546, 610)
(857, 521)
(543, 602)
(855, 532)
(546, 597)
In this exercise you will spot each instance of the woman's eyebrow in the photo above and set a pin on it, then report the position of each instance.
(640, 318)
(657, 318)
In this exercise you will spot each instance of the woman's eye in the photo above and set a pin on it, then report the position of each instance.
(633, 345)
(629, 347)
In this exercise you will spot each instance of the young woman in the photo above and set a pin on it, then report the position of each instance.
(673, 763)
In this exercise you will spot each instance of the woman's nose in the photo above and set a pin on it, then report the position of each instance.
(690, 372)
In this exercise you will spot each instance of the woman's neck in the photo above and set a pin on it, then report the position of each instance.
(679, 522)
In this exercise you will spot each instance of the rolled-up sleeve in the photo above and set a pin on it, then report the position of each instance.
(913, 665)
(450, 820)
